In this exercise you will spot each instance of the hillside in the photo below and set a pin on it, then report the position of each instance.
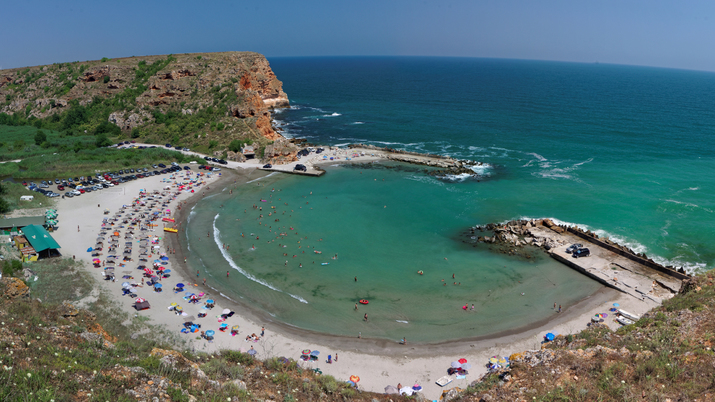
(204, 101)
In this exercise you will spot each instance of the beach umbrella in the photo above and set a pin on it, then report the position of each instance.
(210, 301)
(165, 258)
(96, 260)
(126, 284)
(456, 364)
(417, 387)
(157, 285)
(466, 366)
(139, 300)
(616, 305)
(549, 337)
(166, 271)
(314, 353)
(234, 328)
(179, 308)
(179, 285)
(305, 351)
(174, 304)
(462, 360)
(210, 333)
(116, 233)
(354, 378)
(391, 389)
(503, 361)
(252, 352)
(494, 359)
(89, 250)
(225, 311)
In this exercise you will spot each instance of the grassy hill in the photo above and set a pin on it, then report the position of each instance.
(202, 101)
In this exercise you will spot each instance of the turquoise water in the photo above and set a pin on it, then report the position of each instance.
(625, 151)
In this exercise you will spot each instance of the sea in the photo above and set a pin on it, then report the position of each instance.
(625, 151)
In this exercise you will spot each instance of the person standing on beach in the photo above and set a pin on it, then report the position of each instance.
(336, 357)
(559, 308)
(365, 317)
(226, 274)
(204, 281)
(197, 272)
(263, 331)
(554, 305)
(356, 306)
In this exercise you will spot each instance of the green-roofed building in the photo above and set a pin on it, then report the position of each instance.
(41, 240)
(11, 225)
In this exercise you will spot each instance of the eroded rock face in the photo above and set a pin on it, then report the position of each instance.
(14, 288)
(129, 122)
(280, 152)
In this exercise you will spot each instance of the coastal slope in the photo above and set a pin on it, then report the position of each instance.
(199, 100)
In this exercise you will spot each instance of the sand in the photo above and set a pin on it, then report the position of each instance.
(377, 362)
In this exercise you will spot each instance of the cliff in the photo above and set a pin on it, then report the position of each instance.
(193, 100)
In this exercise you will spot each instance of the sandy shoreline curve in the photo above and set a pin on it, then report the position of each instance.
(378, 362)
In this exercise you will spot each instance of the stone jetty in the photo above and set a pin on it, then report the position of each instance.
(610, 263)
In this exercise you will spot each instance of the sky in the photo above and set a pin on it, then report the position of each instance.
(657, 33)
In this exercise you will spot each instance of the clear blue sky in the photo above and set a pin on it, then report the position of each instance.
(678, 34)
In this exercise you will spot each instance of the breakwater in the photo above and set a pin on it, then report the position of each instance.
(610, 263)
(447, 165)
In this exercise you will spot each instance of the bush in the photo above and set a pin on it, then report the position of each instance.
(103, 141)
(235, 146)
(106, 79)
(40, 137)
(136, 133)
(4, 206)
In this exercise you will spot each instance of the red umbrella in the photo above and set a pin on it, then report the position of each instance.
(462, 360)
(140, 300)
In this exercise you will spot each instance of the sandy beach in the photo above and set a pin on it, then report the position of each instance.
(377, 362)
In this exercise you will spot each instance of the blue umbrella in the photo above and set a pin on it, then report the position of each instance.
(157, 285)
(549, 336)
(210, 333)
(166, 271)
(314, 353)
(89, 250)
(157, 261)
(179, 285)
(616, 305)
(165, 258)
(209, 301)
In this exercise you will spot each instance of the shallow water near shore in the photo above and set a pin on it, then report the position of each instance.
(624, 151)
(383, 234)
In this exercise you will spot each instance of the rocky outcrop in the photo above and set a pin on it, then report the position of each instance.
(13, 288)
(131, 121)
(280, 152)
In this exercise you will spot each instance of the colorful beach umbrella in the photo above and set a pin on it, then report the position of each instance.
(305, 351)
(549, 337)
(174, 304)
(462, 360)
(234, 328)
(139, 300)
(210, 333)
(354, 378)
(157, 285)
(179, 285)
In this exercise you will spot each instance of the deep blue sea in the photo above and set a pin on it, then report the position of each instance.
(624, 151)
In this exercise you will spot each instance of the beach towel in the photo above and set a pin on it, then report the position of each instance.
(461, 377)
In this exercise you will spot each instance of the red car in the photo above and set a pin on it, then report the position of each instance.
(60, 187)
(81, 190)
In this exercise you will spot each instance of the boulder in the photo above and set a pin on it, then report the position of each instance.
(14, 288)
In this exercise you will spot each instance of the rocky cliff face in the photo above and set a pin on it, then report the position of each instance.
(219, 96)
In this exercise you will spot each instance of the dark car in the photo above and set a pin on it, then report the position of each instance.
(267, 166)
(207, 158)
(187, 168)
(581, 252)
(168, 145)
(223, 162)
(573, 248)
(161, 165)
(300, 167)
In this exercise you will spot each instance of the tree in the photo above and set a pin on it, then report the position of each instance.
(235, 146)
(108, 128)
(40, 137)
(102, 141)
(4, 206)
(136, 133)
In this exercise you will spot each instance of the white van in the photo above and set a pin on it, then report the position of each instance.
(26, 198)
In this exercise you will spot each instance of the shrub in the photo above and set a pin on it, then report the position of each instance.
(104, 60)
(103, 141)
(106, 79)
(107, 127)
(213, 144)
(40, 137)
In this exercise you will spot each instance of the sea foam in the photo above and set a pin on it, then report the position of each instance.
(232, 263)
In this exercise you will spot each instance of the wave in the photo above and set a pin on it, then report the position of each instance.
(261, 178)
(334, 114)
(402, 321)
(358, 122)
(227, 257)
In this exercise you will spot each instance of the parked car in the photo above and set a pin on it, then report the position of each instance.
(300, 167)
(69, 194)
(60, 187)
(161, 165)
(581, 252)
(267, 166)
(573, 248)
